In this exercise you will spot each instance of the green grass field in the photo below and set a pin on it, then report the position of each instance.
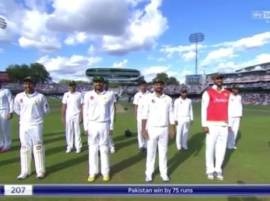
(248, 164)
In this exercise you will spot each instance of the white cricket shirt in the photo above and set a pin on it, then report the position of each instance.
(73, 102)
(6, 102)
(158, 111)
(235, 106)
(31, 108)
(98, 108)
(183, 109)
(139, 100)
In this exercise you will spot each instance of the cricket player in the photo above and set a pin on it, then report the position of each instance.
(111, 143)
(138, 107)
(31, 107)
(214, 111)
(235, 114)
(183, 118)
(98, 111)
(72, 117)
(6, 113)
(157, 118)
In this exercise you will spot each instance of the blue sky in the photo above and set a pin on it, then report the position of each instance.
(69, 36)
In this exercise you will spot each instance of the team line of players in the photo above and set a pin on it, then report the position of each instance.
(158, 118)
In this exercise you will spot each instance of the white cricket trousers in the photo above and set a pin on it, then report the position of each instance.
(216, 142)
(141, 141)
(73, 132)
(182, 131)
(158, 138)
(234, 123)
(5, 139)
(31, 139)
(98, 140)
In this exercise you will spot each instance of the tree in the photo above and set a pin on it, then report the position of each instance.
(39, 73)
(173, 81)
(167, 80)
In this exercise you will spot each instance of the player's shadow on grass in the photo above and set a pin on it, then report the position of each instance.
(126, 143)
(118, 167)
(48, 152)
(67, 163)
(230, 152)
(244, 198)
(195, 143)
(46, 135)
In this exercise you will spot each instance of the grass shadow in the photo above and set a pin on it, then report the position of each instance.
(118, 167)
(196, 143)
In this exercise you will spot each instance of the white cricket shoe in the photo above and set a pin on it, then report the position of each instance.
(22, 176)
(219, 176)
(148, 179)
(165, 178)
(112, 150)
(210, 176)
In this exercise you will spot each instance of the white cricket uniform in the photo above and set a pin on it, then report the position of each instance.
(158, 111)
(183, 115)
(111, 143)
(31, 109)
(139, 102)
(235, 114)
(216, 138)
(73, 102)
(98, 112)
(6, 108)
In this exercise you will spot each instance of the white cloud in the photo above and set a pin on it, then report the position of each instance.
(76, 38)
(145, 27)
(229, 49)
(108, 17)
(187, 52)
(72, 67)
(254, 41)
(120, 64)
(35, 34)
(150, 72)
(218, 54)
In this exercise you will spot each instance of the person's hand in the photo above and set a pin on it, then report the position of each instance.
(145, 134)
(172, 131)
(9, 116)
(80, 119)
(205, 130)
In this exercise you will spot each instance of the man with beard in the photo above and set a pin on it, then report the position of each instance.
(214, 111)
(31, 107)
(98, 112)
(157, 119)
